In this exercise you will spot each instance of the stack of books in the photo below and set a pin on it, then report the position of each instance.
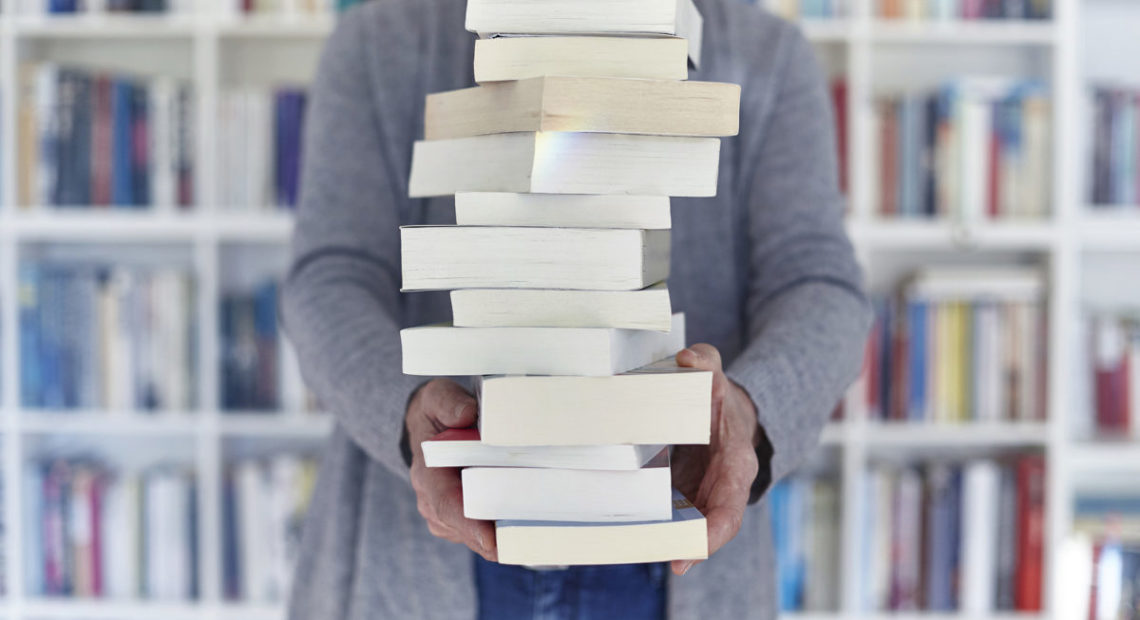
(94, 532)
(958, 345)
(979, 147)
(1115, 343)
(562, 163)
(1115, 146)
(807, 9)
(51, 7)
(89, 138)
(955, 536)
(263, 509)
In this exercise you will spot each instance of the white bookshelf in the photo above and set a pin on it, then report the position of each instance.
(216, 50)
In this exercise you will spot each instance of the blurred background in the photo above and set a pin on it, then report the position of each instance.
(159, 449)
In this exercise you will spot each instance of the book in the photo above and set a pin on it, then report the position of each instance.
(585, 104)
(552, 543)
(1028, 586)
(980, 519)
(439, 350)
(657, 404)
(522, 57)
(457, 447)
(562, 210)
(614, 17)
(458, 257)
(575, 495)
(587, 163)
(647, 308)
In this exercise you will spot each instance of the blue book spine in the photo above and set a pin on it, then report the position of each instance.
(279, 146)
(886, 359)
(33, 495)
(121, 194)
(50, 304)
(31, 356)
(916, 311)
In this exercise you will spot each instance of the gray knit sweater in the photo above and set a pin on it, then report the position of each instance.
(763, 271)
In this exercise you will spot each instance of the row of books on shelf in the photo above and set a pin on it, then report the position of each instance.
(95, 532)
(90, 138)
(806, 533)
(965, 9)
(1107, 529)
(955, 536)
(957, 345)
(260, 147)
(976, 148)
(260, 371)
(33, 7)
(806, 9)
(263, 510)
(1115, 379)
(287, 6)
(1115, 135)
(115, 338)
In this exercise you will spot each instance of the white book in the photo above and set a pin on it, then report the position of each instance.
(648, 308)
(252, 516)
(576, 495)
(521, 57)
(823, 548)
(566, 163)
(546, 543)
(562, 210)
(648, 17)
(979, 537)
(120, 537)
(456, 257)
(161, 110)
(437, 350)
(283, 474)
(976, 127)
(462, 448)
(656, 404)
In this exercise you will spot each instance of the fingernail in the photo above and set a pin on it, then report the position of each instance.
(685, 568)
(482, 543)
(460, 409)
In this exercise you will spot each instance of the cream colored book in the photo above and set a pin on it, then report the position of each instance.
(446, 351)
(660, 403)
(522, 57)
(585, 104)
(645, 17)
(648, 308)
(566, 163)
(562, 210)
(456, 257)
(579, 495)
(560, 543)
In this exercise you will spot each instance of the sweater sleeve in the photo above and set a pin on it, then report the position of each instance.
(807, 315)
(341, 304)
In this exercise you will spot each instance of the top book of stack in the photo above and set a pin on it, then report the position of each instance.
(678, 18)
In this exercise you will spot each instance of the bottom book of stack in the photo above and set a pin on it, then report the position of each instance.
(569, 505)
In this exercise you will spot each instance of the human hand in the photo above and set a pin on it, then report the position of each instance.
(439, 405)
(718, 477)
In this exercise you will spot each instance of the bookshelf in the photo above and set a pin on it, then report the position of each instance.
(215, 50)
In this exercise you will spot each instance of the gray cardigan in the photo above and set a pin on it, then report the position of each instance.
(764, 272)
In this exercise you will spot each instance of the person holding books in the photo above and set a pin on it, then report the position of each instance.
(764, 273)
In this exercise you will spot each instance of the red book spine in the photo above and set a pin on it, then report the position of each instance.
(839, 100)
(95, 496)
(888, 183)
(101, 156)
(1030, 534)
(994, 193)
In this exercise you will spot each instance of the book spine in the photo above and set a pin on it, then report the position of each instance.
(1031, 532)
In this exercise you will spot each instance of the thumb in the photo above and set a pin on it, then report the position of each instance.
(457, 408)
(700, 356)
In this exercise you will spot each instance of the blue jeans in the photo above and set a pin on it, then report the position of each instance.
(626, 591)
